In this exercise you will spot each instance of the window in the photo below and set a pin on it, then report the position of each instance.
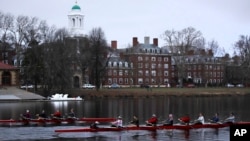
(153, 59)
(114, 64)
(120, 73)
(165, 59)
(146, 73)
(110, 80)
(153, 81)
(140, 73)
(114, 72)
(120, 64)
(139, 65)
(153, 73)
(140, 80)
(218, 74)
(146, 58)
(165, 66)
(109, 64)
(140, 58)
(73, 22)
(126, 64)
(146, 65)
(153, 66)
(166, 81)
(159, 66)
(126, 80)
(165, 73)
(120, 80)
(126, 72)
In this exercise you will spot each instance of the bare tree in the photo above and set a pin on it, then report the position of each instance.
(214, 46)
(242, 48)
(98, 59)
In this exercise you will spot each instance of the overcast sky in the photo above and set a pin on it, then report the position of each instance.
(221, 20)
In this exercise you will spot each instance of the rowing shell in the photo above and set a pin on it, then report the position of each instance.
(154, 128)
(107, 129)
(53, 121)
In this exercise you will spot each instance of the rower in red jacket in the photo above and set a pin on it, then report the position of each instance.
(152, 121)
(185, 119)
(57, 114)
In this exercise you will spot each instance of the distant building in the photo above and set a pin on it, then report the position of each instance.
(141, 64)
(9, 75)
(75, 27)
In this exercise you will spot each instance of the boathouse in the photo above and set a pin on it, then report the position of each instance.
(9, 75)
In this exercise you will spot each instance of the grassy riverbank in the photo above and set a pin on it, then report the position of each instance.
(141, 92)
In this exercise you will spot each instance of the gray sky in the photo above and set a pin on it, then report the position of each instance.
(221, 20)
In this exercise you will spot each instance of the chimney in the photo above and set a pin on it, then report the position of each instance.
(114, 44)
(135, 41)
(155, 41)
(210, 52)
(146, 40)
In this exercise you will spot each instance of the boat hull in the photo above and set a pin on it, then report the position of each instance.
(107, 129)
(53, 122)
(154, 128)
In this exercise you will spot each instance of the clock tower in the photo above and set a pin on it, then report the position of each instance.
(75, 18)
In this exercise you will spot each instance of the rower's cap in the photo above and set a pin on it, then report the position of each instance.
(27, 111)
(119, 117)
(96, 122)
(153, 115)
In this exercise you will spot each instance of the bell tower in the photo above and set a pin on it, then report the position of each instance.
(75, 18)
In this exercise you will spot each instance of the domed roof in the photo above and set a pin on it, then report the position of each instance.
(76, 7)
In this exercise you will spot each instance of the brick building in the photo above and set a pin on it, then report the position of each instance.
(140, 64)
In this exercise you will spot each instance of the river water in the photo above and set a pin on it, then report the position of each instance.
(127, 107)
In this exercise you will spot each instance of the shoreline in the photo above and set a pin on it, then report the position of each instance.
(159, 92)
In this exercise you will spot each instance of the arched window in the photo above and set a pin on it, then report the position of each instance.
(73, 22)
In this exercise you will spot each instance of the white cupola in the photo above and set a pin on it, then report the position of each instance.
(75, 18)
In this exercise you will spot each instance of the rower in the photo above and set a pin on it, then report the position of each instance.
(169, 121)
(152, 121)
(117, 123)
(185, 119)
(94, 125)
(200, 119)
(71, 114)
(230, 119)
(135, 121)
(26, 115)
(215, 118)
(42, 115)
(56, 115)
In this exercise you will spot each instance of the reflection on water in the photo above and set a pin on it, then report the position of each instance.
(143, 108)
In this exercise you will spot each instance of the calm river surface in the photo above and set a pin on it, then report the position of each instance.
(127, 107)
